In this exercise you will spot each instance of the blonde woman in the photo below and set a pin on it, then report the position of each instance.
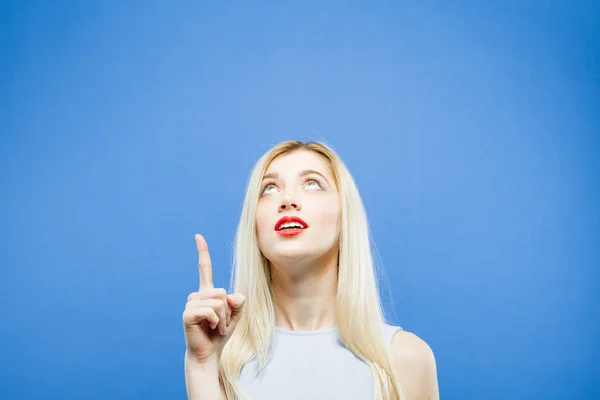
(305, 319)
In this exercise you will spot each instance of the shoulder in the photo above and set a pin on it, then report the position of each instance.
(406, 346)
(414, 365)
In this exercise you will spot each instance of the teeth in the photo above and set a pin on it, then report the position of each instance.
(291, 225)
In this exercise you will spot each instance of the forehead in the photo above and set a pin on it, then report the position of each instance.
(292, 163)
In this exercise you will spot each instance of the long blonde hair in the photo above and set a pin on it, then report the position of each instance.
(359, 313)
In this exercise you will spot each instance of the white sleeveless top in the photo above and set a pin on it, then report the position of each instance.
(311, 365)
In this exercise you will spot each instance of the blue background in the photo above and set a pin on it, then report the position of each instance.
(472, 129)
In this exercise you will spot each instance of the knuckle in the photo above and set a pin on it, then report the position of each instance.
(192, 296)
(187, 316)
(203, 294)
(219, 305)
(206, 260)
(191, 304)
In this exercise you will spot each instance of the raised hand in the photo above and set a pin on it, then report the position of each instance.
(210, 315)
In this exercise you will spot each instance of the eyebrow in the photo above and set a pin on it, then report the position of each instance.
(275, 175)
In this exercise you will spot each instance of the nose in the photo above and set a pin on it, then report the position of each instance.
(288, 203)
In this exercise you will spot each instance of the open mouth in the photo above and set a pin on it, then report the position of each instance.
(290, 226)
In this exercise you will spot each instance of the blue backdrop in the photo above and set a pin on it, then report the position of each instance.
(472, 129)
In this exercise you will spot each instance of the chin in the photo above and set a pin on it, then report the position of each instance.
(293, 253)
(286, 253)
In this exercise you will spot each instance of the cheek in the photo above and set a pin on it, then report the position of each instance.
(329, 218)
(262, 223)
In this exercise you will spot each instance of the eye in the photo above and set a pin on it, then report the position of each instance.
(311, 182)
(266, 186)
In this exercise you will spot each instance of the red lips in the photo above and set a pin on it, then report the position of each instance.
(290, 219)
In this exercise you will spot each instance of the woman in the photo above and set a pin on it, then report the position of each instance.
(305, 320)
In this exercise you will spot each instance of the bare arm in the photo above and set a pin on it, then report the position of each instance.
(202, 381)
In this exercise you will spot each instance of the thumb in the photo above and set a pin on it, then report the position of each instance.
(236, 302)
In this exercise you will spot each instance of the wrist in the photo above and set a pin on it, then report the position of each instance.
(202, 378)
(209, 364)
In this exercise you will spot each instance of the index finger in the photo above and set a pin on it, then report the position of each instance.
(204, 264)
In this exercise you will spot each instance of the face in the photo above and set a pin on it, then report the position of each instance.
(298, 185)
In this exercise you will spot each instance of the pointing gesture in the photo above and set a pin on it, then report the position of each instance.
(210, 315)
(204, 264)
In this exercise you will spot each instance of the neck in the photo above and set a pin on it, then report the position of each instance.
(305, 294)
